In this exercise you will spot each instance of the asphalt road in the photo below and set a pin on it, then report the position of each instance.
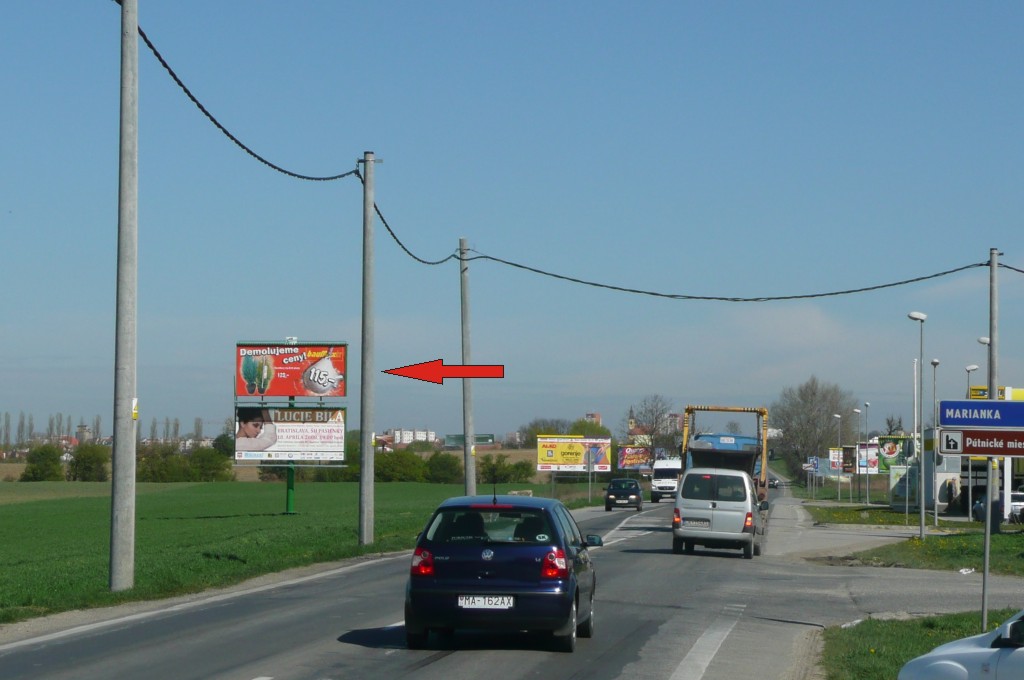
(704, 616)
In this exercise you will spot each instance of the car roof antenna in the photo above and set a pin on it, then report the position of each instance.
(494, 486)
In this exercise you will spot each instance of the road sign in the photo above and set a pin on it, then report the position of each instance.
(981, 413)
(982, 442)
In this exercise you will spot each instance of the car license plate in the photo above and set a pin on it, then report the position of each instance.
(487, 601)
(620, 500)
(701, 523)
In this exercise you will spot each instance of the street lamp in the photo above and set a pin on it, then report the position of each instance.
(918, 389)
(935, 442)
(867, 439)
(839, 472)
(970, 369)
(857, 457)
(988, 371)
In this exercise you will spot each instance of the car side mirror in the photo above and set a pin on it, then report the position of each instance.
(1015, 633)
(763, 505)
(594, 541)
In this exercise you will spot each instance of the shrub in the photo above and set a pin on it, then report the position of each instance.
(210, 465)
(444, 468)
(400, 466)
(89, 464)
(43, 465)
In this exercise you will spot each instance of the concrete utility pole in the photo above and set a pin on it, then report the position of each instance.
(366, 356)
(993, 393)
(467, 383)
(122, 507)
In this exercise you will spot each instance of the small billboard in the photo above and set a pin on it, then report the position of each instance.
(289, 434)
(573, 454)
(290, 370)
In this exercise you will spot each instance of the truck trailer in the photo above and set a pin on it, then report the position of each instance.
(735, 452)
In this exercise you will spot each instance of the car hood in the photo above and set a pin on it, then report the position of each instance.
(958, 659)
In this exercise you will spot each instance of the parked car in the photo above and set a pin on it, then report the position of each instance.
(773, 482)
(501, 563)
(718, 508)
(623, 493)
(998, 655)
(1016, 506)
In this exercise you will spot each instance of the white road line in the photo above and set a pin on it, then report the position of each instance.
(703, 652)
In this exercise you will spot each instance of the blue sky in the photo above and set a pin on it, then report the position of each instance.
(709, 149)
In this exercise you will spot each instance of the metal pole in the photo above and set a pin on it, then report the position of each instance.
(366, 472)
(867, 438)
(469, 444)
(935, 442)
(919, 444)
(993, 393)
(122, 509)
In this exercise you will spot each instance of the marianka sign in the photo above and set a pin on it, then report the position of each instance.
(981, 413)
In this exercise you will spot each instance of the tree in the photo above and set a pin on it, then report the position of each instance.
(894, 425)
(210, 465)
(399, 466)
(588, 428)
(651, 418)
(225, 443)
(496, 470)
(89, 464)
(733, 427)
(444, 468)
(528, 433)
(43, 465)
(805, 416)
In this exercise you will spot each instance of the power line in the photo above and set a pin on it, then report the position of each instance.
(535, 270)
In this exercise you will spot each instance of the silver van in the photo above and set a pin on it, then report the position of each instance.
(718, 508)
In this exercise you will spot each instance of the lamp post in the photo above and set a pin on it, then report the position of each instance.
(918, 389)
(857, 457)
(970, 466)
(839, 443)
(985, 341)
(970, 369)
(867, 439)
(935, 442)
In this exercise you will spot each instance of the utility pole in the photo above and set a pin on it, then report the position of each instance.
(467, 383)
(122, 505)
(366, 475)
(993, 393)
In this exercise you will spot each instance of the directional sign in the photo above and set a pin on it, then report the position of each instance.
(982, 442)
(981, 413)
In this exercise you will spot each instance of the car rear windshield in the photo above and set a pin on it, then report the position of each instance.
(474, 526)
(710, 487)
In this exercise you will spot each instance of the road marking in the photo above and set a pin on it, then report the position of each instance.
(619, 527)
(703, 652)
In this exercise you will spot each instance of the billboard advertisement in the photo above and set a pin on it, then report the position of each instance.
(289, 434)
(634, 458)
(573, 454)
(867, 459)
(287, 370)
(893, 450)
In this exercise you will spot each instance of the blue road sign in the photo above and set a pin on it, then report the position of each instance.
(981, 413)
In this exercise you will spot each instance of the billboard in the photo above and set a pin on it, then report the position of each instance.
(574, 454)
(289, 434)
(634, 458)
(287, 370)
(893, 450)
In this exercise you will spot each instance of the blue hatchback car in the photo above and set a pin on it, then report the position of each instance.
(502, 563)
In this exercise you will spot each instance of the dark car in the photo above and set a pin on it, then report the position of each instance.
(501, 563)
(773, 483)
(623, 493)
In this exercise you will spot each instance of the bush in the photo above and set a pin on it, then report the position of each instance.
(444, 468)
(89, 464)
(400, 466)
(496, 470)
(43, 465)
(210, 465)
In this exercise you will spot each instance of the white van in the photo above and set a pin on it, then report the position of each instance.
(665, 478)
(718, 508)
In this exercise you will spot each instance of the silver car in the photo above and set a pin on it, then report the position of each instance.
(718, 508)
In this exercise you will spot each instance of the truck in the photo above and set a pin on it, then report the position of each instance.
(731, 451)
(665, 476)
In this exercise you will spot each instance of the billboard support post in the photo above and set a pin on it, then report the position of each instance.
(289, 503)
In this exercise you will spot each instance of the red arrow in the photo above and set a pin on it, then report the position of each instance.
(436, 371)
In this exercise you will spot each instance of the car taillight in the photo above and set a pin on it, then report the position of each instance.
(676, 519)
(555, 565)
(748, 523)
(422, 563)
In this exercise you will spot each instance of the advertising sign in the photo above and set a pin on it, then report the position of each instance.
(573, 454)
(286, 370)
(634, 458)
(289, 434)
(835, 459)
(893, 450)
(867, 459)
